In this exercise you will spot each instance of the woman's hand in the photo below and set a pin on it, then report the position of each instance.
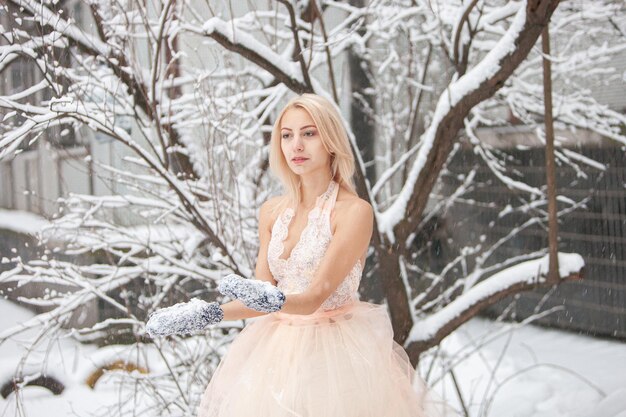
(184, 318)
(255, 294)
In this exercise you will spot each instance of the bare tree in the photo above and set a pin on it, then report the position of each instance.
(199, 84)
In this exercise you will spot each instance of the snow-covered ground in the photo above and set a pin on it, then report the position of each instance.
(21, 221)
(63, 363)
(524, 371)
(519, 371)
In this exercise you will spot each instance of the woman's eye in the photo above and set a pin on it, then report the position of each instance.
(286, 135)
(309, 133)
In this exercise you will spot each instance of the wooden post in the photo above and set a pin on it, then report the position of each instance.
(553, 273)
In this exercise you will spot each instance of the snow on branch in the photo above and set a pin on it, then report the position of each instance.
(528, 275)
(477, 84)
(45, 17)
(248, 47)
(67, 305)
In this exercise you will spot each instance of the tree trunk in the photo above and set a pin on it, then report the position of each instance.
(395, 292)
(553, 275)
(360, 122)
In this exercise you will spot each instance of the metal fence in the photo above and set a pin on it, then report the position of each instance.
(595, 305)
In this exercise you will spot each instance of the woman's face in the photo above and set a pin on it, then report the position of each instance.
(301, 143)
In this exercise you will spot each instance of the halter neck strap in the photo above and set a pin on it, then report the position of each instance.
(330, 196)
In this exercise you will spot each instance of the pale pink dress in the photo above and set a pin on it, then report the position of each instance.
(340, 361)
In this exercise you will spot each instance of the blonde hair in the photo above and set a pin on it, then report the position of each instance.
(334, 138)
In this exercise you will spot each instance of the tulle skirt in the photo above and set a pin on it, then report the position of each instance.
(338, 363)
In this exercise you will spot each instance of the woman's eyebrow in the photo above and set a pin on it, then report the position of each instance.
(303, 127)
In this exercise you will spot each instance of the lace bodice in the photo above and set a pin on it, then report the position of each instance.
(294, 274)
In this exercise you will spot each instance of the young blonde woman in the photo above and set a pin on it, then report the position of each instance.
(317, 350)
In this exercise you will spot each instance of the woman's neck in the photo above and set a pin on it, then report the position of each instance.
(311, 189)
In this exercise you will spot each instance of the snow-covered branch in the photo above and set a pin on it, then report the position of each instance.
(428, 331)
(183, 96)
(478, 84)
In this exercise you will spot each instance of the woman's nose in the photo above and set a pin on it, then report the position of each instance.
(298, 143)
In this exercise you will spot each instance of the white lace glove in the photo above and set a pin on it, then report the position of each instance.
(255, 294)
(184, 318)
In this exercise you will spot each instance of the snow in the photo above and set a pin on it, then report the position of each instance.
(131, 236)
(524, 371)
(457, 90)
(529, 371)
(53, 20)
(21, 221)
(543, 390)
(215, 24)
(68, 361)
(39, 400)
(529, 272)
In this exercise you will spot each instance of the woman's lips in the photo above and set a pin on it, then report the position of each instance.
(299, 160)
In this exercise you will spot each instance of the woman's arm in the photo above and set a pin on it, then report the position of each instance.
(350, 240)
(236, 310)
(196, 314)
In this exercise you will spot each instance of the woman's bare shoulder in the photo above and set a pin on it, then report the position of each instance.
(347, 200)
(268, 211)
(348, 204)
(272, 202)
